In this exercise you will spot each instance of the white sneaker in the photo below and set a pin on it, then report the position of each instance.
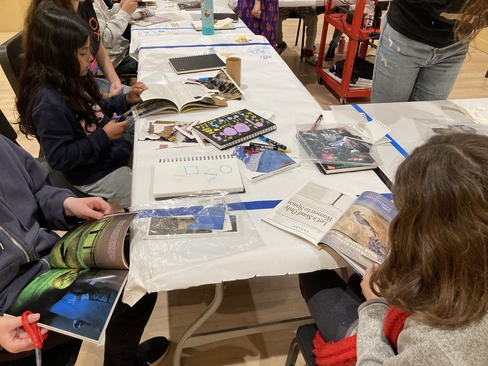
(314, 59)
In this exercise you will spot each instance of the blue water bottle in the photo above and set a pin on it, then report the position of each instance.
(207, 18)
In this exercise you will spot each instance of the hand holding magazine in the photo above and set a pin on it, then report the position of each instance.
(89, 269)
(356, 228)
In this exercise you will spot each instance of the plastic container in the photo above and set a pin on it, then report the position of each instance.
(342, 45)
(207, 18)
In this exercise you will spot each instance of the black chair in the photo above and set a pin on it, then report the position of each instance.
(303, 342)
(10, 52)
(57, 178)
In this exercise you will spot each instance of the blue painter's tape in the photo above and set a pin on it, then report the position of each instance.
(394, 143)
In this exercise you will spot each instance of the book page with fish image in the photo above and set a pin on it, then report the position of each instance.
(355, 228)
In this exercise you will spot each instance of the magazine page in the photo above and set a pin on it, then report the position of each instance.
(175, 233)
(76, 302)
(94, 243)
(259, 163)
(226, 86)
(310, 211)
(184, 92)
(361, 234)
(177, 92)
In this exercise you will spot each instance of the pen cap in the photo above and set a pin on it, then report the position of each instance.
(233, 68)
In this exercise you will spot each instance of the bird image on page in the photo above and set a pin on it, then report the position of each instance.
(360, 218)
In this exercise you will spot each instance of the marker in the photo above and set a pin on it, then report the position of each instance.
(254, 146)
(275, 143)
(205, 79)
(195, 80)
(317, 122)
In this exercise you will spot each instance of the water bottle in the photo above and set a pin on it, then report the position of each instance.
(368, 15)
(342, 44)
(207, 18)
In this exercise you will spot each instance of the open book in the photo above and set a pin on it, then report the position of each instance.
(356, 228)
(78, 295)
(176, 96)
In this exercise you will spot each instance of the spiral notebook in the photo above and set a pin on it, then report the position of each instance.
(233, 128)
(196, 175)
(336, 150)
(196, 63)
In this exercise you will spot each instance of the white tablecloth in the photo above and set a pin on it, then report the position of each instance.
(268, 86)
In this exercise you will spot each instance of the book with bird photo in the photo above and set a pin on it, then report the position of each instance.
(354, 227)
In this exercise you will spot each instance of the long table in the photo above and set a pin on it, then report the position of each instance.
(269, 87)
(410, 123)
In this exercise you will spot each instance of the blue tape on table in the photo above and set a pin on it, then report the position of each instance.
(266, 205)
(394, 143)
(207, 45)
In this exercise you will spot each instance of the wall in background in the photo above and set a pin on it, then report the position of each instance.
(12, 14)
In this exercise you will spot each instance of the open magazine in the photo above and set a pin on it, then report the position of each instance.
(356, 228)
(176, 96)
(78, 295)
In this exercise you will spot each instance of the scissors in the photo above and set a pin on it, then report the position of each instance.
(34, 333)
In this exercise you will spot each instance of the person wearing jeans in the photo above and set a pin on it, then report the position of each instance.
(408, 70)
(422, 47)
(336, 37)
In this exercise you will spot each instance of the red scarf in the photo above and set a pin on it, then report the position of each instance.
(343, 353)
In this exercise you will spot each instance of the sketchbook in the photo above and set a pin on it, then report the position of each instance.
(196, 63)
(224, 24)
(196, 175)
(233, 128)
(190, 5)
(336, 150)
(355, 228)
(258, 164)
(221, 16)
(89, 269)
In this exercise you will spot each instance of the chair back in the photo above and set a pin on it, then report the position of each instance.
(6, 128)
(10, 52)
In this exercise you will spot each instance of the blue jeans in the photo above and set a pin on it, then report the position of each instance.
(407, 70)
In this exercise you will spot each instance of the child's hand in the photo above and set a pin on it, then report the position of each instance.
(86, 208)
(114, 129)
(115, 88)
(256, 10)
(129, 6)
(367, 292)
(13, 336)
(134, 94)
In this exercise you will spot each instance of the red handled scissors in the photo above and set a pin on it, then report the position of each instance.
(34, 333)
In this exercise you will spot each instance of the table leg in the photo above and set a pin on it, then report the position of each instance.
(189, 339)
(212, 308)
